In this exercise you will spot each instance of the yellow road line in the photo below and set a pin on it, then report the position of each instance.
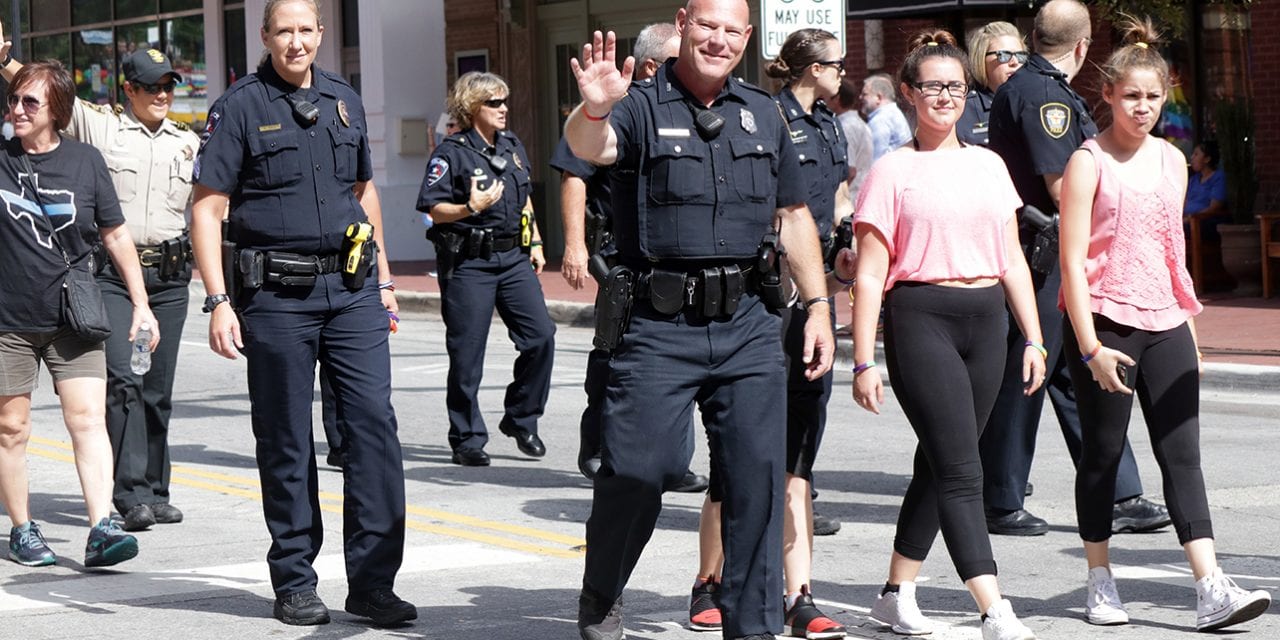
(236, 486)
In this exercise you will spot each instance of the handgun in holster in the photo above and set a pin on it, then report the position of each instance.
(776, 289)
(448, 245)
(597, 231)
(841, 238)
(1042, 254)
(613, 307)
(357, 254)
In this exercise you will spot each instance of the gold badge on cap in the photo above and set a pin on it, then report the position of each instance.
(155, 56)
(342, 114)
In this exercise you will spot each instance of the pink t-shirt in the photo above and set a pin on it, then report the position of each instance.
(1136, 262)
(943, 213)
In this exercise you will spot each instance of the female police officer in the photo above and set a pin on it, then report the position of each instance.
(477, 191)
(288, 148)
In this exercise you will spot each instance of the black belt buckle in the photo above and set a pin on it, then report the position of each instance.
(667, 291)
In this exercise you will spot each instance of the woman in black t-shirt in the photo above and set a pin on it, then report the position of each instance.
(58, 200)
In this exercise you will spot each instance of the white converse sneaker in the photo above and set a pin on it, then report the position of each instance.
(1102, 604)
(1221, 603)
(1001, 624)
(900, 611)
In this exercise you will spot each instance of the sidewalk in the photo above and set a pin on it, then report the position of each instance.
(1240, 337)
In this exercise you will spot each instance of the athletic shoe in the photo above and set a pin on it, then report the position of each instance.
(108, 544)
(1102, 603)
(900, 612)
(382, 606)
(804, 620)
(1000, 624)
(27, 546)
(1221, 603)
(597, 623)
(704, 607)
(824, 526)
(1138, 515)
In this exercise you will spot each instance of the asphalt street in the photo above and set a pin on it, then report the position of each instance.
(496, 552)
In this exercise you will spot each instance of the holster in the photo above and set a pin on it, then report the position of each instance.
(774, 281)
(613, 307)
(448, 246)
(289, 269)
(598, 231)
(174, 254)
(1042, 254)
(366, 253)
(841, 238)
(250, 268)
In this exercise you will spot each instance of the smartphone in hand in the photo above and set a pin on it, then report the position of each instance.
(1127, 374)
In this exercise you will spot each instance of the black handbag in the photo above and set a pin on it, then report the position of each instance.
(82, 307)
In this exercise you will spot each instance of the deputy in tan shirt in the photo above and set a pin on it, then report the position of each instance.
(150, 158)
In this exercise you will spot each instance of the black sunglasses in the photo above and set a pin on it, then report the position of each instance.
(495, 103)
(1003, 56)
(29, 103)
(167, 87)
(839, 64)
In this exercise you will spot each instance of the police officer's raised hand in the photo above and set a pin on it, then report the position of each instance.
(482, 199)
(600, 82)
(224, 332)
(5, 43)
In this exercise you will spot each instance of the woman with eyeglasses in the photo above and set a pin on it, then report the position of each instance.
(996, 50)
(60, 202)
(938, 242)
(478, 191)
(150, 158)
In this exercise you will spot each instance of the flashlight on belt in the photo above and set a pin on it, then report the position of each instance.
(355, 262)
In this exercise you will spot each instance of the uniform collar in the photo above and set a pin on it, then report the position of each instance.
(670, 89)
(791, 107)
(983, 97)
(1044, 67)
(473, 139)
(128, 120)
(278, 88)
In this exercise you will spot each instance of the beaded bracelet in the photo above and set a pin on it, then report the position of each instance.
(1044, 353)
(1092, 354)
(863, 367)
(389, 285)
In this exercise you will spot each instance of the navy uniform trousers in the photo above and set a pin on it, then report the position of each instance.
(286, 330)
(138, 406)
(468, 297)
(1009, 440)
(806, 399)
(733, 369)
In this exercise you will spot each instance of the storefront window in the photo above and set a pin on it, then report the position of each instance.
(167, 6)
(185, 38)
(233, 45)
(57, 47)
(90, 11)
(47, 15)
(93, 65)
(134, 8)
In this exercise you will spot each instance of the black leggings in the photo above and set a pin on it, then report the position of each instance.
(1168, 389)
(945, 349)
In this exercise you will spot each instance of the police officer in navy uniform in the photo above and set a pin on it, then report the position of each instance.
(288, 148)
(477, 190)
(1037, 122)
(703, 171)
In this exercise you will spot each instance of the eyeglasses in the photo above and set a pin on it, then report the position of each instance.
(839, 64)
(153, 89)
(934, 88)
(495, 103)
(1003, 56)
(29, 103)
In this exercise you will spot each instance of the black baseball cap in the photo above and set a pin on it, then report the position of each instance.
(148, 66)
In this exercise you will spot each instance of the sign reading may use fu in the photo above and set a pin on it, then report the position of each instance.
(780, 18)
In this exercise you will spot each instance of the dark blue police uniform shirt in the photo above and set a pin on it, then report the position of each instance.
(823, 155)
(465, 155)
(678, 196)
(973, 125)
(596, 177)
(290, 185)
(1037, 122)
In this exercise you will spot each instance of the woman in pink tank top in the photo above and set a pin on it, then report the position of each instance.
(1129, 303)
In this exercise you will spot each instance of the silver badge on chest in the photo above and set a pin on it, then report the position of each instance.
(748, 121)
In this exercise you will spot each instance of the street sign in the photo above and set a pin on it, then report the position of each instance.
(780, 18)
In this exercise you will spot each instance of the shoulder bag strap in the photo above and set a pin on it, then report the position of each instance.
(35, 192)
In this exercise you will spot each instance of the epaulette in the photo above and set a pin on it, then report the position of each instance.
(821, 104)
(118, 109)
(747, 85)
(336, 78)
(100, 108)
(180, 126)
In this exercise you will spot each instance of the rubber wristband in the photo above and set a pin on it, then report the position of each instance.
(535, 243)
(1092, 354)
(389, 285)
(847, 283)
(864, 366)
(812, 301)
(587, 114)
(1044, 353)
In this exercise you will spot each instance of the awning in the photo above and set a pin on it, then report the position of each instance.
(900, 8)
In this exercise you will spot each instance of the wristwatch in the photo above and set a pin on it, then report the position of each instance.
(211, 302)
(8, 57)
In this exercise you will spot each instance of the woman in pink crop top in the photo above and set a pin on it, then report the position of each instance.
(1129, 302)
(938, 241)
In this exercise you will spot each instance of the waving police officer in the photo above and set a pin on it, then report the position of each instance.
(1037, 122)
(288, 148)
(704, 172)
(150, 159)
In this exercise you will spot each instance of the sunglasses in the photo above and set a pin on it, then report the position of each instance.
(29, 103)
(839, 64)
(1003, 56)
(495, 103)
(153, 89)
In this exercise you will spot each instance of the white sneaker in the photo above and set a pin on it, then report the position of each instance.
(900, 611)
(1102, 603)
(1001, 624)
(1221, 603)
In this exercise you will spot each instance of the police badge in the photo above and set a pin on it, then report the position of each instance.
(1055, 118)
(342, 113)
(748, 121)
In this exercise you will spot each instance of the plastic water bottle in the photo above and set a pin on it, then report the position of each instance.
(141, 360)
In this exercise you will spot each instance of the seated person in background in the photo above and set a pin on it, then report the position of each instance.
(1206, 189)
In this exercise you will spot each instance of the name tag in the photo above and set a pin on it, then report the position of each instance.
(269, 127)
(673, 133)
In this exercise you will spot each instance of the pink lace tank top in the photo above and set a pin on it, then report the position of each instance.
(1136, 261)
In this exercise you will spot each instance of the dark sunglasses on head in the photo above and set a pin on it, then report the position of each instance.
(29, 103)
(166, 87)
(839, 64)
(1003, 56)
(495, 102)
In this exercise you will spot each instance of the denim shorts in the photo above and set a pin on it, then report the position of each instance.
(66, 355)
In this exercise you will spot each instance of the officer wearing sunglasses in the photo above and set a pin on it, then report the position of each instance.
(150, 158)
(996, 51)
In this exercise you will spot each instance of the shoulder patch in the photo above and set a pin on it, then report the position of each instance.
(436, 171)
(1055, 118)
